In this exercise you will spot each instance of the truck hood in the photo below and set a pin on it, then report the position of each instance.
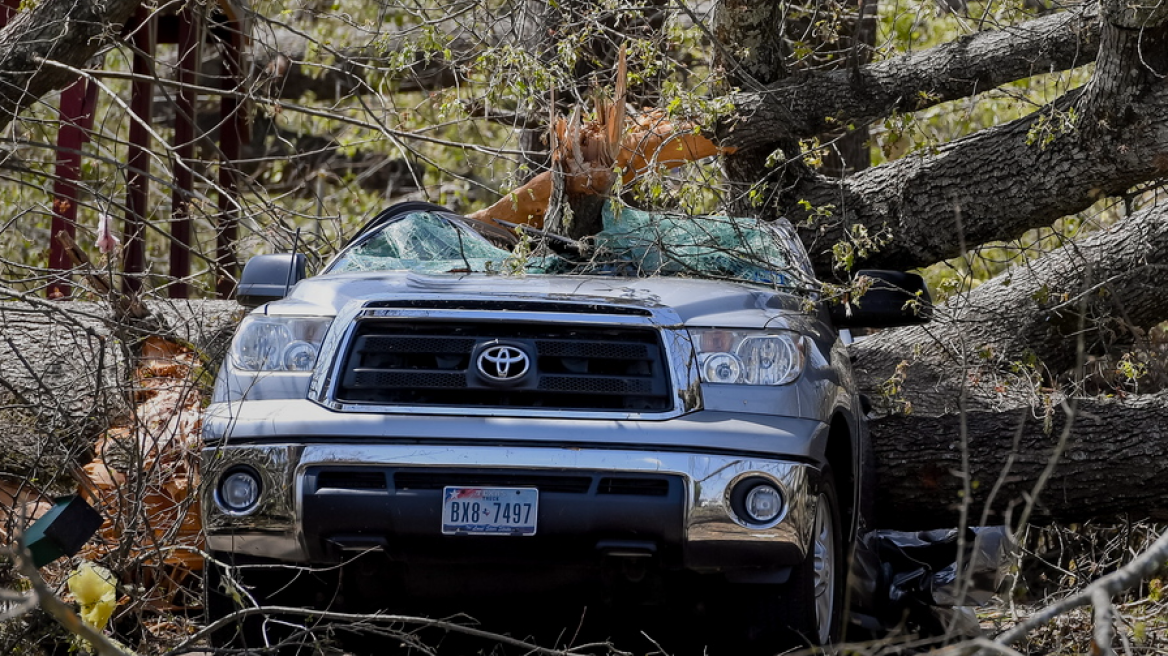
(696, 302)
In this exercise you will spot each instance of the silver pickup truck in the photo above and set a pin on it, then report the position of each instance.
(666, 413)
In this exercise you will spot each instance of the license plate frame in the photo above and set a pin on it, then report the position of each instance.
(482, 510)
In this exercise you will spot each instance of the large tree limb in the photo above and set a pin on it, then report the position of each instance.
(1109, 466)
(992, 186)
(813, 102)
(1000, 182)
(969, 373)
(1105, 289)
(67, 31)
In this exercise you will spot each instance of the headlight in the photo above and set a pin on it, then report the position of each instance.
(274, 343)
(748, 357)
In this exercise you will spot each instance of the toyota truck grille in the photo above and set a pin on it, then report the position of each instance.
(501, 365)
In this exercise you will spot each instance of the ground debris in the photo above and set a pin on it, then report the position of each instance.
(144, 476)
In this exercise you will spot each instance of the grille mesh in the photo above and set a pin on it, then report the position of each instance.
(411, 363)
(403, 344)
(363, 378)
(436, 479)
(424, 480)
(592, 350)
(594, 385)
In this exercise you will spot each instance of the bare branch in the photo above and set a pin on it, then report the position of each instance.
(381, 618)
(1113, 584)
(814, 102)
(60, 611)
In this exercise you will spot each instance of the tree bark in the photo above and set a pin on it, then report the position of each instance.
(66, 369)
(750, 52)
(66, 31)
(811, 102)
(993, 367)
(998, 183)
(1106, 289)
(1111, 465)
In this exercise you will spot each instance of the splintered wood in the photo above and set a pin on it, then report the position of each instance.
(651, 140)
(590, 153)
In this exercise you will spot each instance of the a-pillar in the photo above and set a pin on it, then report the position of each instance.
(138, 179)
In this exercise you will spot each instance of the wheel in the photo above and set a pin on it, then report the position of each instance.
(813, 598)
(808, 608)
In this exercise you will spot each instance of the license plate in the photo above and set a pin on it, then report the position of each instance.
(489, 510)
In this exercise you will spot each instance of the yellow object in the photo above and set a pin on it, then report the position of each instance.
(93, 588)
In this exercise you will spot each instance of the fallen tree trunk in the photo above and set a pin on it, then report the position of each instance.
(66, 369)
(1110, 463)
(992, 379)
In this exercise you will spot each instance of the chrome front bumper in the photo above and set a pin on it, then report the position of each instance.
(713, 534)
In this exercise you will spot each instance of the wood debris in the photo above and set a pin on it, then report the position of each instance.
(145, 476)
(589, 153)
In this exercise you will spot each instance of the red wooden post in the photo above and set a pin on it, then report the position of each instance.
(190, 39)
(138, 182)
(8, 9)
(231, 134)
(70, 136)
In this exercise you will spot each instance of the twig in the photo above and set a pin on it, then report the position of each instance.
(381, 619)
(125, 305)
(61, 611)
(293, 107)
(1104, 623)
(21, 604)
(977, 645)
(1112, 584)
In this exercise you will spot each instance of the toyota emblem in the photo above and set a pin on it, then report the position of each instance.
(503, 363)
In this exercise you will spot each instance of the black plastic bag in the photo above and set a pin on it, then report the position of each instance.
(919, 581)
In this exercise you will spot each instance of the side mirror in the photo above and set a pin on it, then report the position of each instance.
(894, 299)
(269, 277)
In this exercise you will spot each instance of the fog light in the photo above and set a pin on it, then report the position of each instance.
(763, 503)
(239, 491)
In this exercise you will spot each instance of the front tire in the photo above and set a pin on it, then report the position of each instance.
(813, 598)
(808, 609)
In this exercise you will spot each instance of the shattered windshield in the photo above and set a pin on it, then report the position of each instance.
(633, 243)
(426, 242)
(639, 243)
